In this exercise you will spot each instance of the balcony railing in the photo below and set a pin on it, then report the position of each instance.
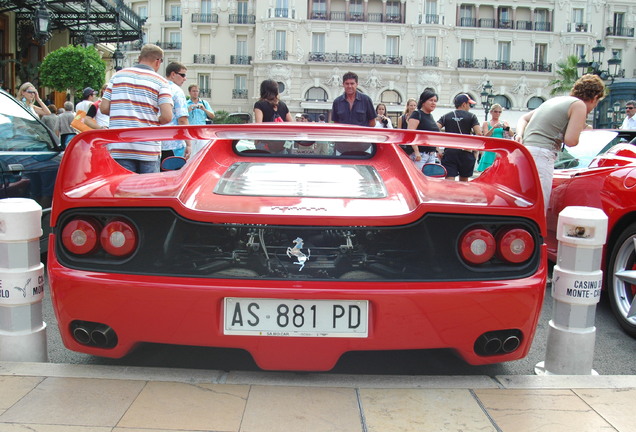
(372, 17)
(242, 19)
(169, 45)
(578, 27)
(486, 22)
(504, 24)
(354, 58)
(173, 17)
(204, 58)
(132, 46)
(239, 93)
(240, 59)
(429, 19)
(431, 61)
(523, 25)
(279, 55)
(620, 31)
(318, 15)
(281, 13)
(205, 18)
(467, 22)
(504, 65)
(205, 93)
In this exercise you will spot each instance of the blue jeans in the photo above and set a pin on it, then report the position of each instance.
(138, 166)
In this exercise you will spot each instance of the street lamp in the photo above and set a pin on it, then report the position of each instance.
(611, 116)
(594, 66)
(618, 115)
(487, 98)
(118, 56)
(89, 39)
(41, 22)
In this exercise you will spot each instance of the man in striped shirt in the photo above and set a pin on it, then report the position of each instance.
(138, 97)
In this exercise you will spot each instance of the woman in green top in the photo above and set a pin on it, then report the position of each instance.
(495, 128)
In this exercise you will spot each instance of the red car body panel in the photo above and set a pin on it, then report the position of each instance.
(403, 314)
(607, 184)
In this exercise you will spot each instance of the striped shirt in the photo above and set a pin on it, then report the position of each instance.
(135, 95)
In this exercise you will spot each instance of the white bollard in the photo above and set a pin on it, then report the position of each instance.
(576, 289)
(22, 331)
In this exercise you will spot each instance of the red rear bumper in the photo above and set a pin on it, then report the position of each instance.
(189, 311)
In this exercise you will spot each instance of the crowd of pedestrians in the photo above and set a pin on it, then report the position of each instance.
(556, 122)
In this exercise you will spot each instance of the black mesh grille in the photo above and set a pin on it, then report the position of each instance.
(423, 251)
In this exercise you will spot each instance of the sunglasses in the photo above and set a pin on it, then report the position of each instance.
(32, 92)
(181, 74)
(629, 108)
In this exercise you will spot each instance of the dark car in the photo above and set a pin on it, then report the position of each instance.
(30, 156)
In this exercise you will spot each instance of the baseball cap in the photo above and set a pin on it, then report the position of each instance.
(88, 92)
(462, 99)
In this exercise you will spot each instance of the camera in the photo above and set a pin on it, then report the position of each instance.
(507, 128)
(385, 121)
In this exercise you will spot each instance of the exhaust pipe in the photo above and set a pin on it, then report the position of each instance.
(488, 345)
(102, 336)
(82, 335)
(93, 334)
(498, 342)
(510, 344)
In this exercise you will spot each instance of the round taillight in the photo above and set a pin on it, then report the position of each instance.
(515, 245)
(477, 246)
(118, 238)
(81, 236)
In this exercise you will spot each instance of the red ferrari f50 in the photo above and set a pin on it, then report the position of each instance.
(297, 243)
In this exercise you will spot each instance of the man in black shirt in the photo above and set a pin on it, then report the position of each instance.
(460, 162)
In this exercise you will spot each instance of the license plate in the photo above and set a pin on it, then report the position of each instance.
(286, 317)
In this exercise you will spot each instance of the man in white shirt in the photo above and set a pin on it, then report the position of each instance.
(88, 98)
(630, 118)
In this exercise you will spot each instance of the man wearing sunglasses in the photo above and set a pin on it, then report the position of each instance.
(630, 119)
(176, 74)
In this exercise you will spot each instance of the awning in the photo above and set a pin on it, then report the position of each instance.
(108, 20)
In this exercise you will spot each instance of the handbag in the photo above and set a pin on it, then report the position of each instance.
(78, 122)
(277, 118)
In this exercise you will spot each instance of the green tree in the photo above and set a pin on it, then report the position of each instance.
(568, 74)
(73, 68)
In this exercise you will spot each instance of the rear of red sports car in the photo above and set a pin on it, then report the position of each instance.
(297, 244)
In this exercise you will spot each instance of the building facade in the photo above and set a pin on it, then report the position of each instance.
(397, 47)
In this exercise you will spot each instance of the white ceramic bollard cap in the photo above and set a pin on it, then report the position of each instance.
(582, 226)
(20, 219)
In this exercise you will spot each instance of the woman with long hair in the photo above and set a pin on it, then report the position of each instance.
(28, 95)
(269, 107)
(403, 120)
(422, 119)
(381, 120)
